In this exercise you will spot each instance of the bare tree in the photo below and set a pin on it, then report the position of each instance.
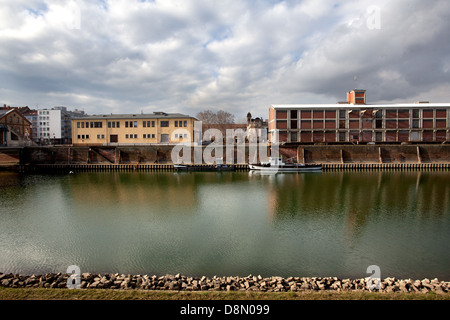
(210, 117)
(224, 117)
(207, 117)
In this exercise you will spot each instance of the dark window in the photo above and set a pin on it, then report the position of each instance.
(294, 114)
(164, 123)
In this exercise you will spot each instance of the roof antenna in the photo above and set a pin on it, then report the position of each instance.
(355, 78)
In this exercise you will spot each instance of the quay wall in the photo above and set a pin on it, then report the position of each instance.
(370, 153)
(158, 157)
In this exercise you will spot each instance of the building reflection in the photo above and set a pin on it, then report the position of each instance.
(163, 191)
(357, 197)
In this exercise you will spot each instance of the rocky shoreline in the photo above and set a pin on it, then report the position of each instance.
(225, 283)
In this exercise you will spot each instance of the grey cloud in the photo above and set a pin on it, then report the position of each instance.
(237, 56)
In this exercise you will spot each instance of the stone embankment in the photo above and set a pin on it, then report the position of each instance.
(249, 283)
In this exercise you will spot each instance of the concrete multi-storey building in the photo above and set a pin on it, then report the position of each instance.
(357, 122)
(55, 125)
(132, 129)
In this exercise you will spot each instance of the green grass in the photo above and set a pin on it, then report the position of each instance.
(108, 294)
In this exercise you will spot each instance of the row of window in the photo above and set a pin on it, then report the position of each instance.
(394, 113)
(91, 124)
(378, 123)
(365, 136)
(130, 124)
(131, 136)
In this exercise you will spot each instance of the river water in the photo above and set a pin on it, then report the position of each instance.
(230, 223)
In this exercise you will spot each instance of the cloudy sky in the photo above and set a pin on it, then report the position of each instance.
(133, 56)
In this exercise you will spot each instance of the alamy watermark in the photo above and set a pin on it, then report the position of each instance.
(374, 281)
(374, 19)
(74, 280)
(232, 146)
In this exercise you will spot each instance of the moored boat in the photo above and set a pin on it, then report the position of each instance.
(277, 165)
(217, 167)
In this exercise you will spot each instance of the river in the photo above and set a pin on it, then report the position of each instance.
(229, 223)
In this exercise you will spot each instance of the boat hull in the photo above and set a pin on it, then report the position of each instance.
(287, 168)
(203, 168)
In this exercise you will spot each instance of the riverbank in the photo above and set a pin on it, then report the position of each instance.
(230, 284)
(107, 294)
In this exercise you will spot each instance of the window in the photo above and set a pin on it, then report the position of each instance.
(144, 124)
(153, 123)
(97, 124)
(117, 124)
(164, 123)
(281, 114)
(109, 124)
(185, 123)
(135, 124)
(126, 136)
(293, 114)
(135, 136)
(126, 124)
(82, 125)
(78, 124)
(176, 125)
(87, 136)
(78, 136)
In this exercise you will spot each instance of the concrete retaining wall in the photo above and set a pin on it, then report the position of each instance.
(371, 153)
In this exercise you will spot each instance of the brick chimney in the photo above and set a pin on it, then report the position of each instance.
(357, 96)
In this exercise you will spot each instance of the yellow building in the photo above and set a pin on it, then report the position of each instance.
(123, 129)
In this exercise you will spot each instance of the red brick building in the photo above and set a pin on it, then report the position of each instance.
(14, 127)
(358, 122)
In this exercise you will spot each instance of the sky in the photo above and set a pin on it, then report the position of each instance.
(186, 56)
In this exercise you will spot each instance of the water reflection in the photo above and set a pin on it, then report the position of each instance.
(329, 223)
(357, 195)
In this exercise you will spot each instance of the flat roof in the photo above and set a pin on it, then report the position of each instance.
(157, 115)
(360, 106)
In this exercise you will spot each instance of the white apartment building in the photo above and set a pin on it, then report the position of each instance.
(54, 126)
